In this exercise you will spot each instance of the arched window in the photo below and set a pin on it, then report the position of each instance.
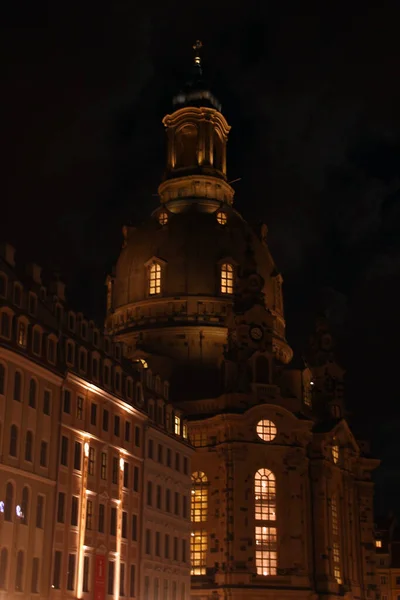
(9, 504)
(22, 333)
(28, 446)
(226, 278)
(199, 512)
(3, 285)
(17, 386)
(32, 393)
(5, 326)
(262, 369)
(186, 147)
(265, 522)
(13, 440)
(3, 568)
(19, 574)
(155, 279)
(336, 540)
(25, 505)
(2, 379)
(218, 152)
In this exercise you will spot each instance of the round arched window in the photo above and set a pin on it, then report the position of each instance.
(266, 430)
(163, 218)
(221, 217)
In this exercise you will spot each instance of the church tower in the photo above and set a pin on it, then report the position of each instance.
(282, 494)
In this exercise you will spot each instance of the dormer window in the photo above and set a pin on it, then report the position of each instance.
(59, 312)
(227, 272)
(84, 330)
(22, 334)
(32, 306)
(37, 341)
(71, 321)
(17, 294)
(154, 279)
(95, 338)
(51, 350)
(82, 360)
(70, 353)
(5, 325)
(3, 285)
(118, 352)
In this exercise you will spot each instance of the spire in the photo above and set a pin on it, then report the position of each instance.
(197, 57)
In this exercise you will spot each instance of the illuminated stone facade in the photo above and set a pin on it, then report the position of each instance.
(282, 497)
(76, 418)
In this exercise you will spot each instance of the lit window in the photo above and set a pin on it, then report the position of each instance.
(378, 543)
(163, 218)
(21, 334)
(199, 510)
(143, 363)
(221, 217)
(336, 541)
(226, 279)
(265, 517)
(307, 393)
(177, 425)
(335, 453)
(266, 430)
(155, 279)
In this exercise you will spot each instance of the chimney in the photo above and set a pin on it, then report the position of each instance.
(7, 252)
(58, 288)
(35, 272)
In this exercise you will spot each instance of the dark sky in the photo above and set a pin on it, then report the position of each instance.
(313, 98)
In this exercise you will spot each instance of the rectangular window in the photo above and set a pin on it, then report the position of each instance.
(174, 590)
(86, 571)
(92, 460)
(148, 541)
(89, 515)
(39, 511)
(36, 342)
(177, 425)
(101, 518)
(117, 426)
(132, 580)
(160, 453)
(43, 453)
(185, 465)
(166, 589)
(74, 510)
(137, 436)
(158, 543)
(57, 570)
(158, 497)
(166, 546)
(71, 572)
(46, 402)
(35, 576)
(184, 507)
(111, 569)
(78, 456)
(149, 493)
(134, 528)
(115, 470)
(135, 479)
(60, 507)
(146, 587)
(64, 451)
(93, 414)
(127, 431)
(79, 407)
(126, 474)
(176, 503)
(184, 553)
(103, 473)
(177, 461)
(150, 449)
(122, 579)
(169, 457)
(67, 402)
(124, 524)
(156, 588)
(175, 548)
(168, 500)
(105, 422)
(113, 521)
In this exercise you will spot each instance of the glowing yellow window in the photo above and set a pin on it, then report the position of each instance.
(335, 453)
(199, 505)
(221, 217)
(378, 543)
(266, 430)
(163, 218)
(155, 279)
(226, 278)
(177, 425)
(198, 552)
(265, 518)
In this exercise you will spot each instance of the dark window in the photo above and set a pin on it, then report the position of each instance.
(71, 571)
(3, 286)
(74, 510)
(184, 507)
(176, 503)
(116, 426)
(95, 368)
(115, 470)
(67, 401)
(113, 521)
(150, 449)
(185, 465)
(168, 457)
(28, 446)
(132, 581)
(175, 548)
(184, 551)
(124, 524)
(93, 414)
(135, 479)
(137, 437)
(71, 322)
(32, 393)
(78, 456)
(92, 458)
(51, 350)
(70, 353)
(17, 386)
(82, 360)
(101, 518)
(57, 570)
(103, 473)
(134, 528)
(60, 507)
(126, 474)
(9, 506)
(106, 374)
(79, 407)
(35, 576)
(149, 493)
(168, 500)
(148, 541)
(118, 381)
(89, 515)
(105, 420)
(177, 461)
(39, 511)
(86, 564)
(13, 440)
(46, 402)
(160, 453)
(3, 568)
(2, 378)
(158, 497)
(43, 453)
(158, 544)
(166, 546)
(111, 569)
(25, 506)
(36, 341)
(19, 573)
(64, 451)
(5, 325)
(127, 431)
(122, 579)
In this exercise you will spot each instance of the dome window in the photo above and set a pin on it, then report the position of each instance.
(163, 218)
(266, 430)
(221, 217)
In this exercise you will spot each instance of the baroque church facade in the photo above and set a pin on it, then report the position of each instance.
(282, 492)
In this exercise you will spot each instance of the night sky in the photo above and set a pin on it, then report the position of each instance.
(313, 99)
